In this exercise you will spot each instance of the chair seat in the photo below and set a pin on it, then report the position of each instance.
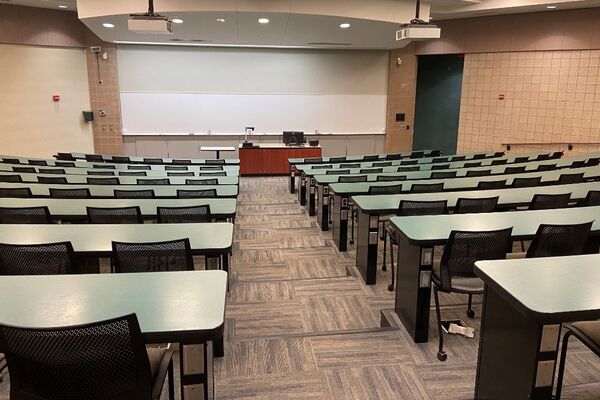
(159, 359)
(458, 284)
(588, 332)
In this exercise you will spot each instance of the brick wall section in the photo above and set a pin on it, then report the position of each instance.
(550, 97)
(108, 138)
(401, 98)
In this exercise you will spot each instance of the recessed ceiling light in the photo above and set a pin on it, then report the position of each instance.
(62, 6)
(177, 21)
(108, 25)
(345, 25)
(551, 7)
(220, 19)
(263, 20)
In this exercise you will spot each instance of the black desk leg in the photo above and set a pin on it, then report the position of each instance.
(323, 208)
(413, 288)
(302, 190)
(218, 154)
(366, 248)
(310, 197)
(340, 211)
(517, 355)
(197, 371)
(292, 180)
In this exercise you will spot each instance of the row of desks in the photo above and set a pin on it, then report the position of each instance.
(198, 171)
(142, 160)
(123, 180)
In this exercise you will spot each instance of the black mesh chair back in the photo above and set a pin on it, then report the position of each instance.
(104, 166)
(514, 170)
(546, 167)
(25, 215)
(172, 255)
(218, 162)
(499, 162)
(556, 154)
(472, 206)
(472, 164)
(55, 171)
(213, 174)
(132, 173)
(70, 193)
(478, 156)
(337, 159)
(465, 247)
(196, 194)
(325, 166)
(443, 174)
(440, 160)
(592, 198)
(521, 159)
(134, 194)
(201, 181)
(24, 170)
(176, 168)
(140, 167)
(570, 178)
(103, 181)
(101, 173)
(559, 240)
(314, 160)
(486, 185)
(42, 163)
(11, 161)
(37, 259)
(409, 162)
(371, 158)
(211, 168)
(550, 201)
(481, 172)
(393, 189)
(592, 162)
(94, 158)
(499, 154)
(440, 166)
(391, 178)
(352, 179)
(114, 215)
(426, 187)
(408, 169)
(435, 153)
(459, 158)
(412, 208)
(542, 157)
(10, 178)
(350, 165)
(101, 361)
(382, 164)
(153, 181)
(182, 162)
(65, 156)
(394, 157)
(526, 182)
(154, 161)
(578, 164)
(338, 172)
(186, 173)
(121, 159)
(52, 179)
(417, 154)
(64, 164)
(15, 192)
(371, 171)
(184, 215)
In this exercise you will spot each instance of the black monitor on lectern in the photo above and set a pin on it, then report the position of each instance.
(293, 137)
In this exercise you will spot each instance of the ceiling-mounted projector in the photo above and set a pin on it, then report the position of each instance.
(150, 22)
(418, 32)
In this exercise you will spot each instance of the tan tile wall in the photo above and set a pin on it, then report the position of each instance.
(550, 97)
(402, 83)
(108, 138)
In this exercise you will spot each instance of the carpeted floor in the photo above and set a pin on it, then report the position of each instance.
(300, 324)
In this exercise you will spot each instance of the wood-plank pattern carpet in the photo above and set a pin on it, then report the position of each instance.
(300, 324)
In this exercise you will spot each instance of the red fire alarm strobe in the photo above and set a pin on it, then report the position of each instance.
(500, 96)
(56, 98)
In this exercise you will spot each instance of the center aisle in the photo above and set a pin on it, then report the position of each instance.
(301, 325)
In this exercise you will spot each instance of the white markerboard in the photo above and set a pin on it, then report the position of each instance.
(185, 113)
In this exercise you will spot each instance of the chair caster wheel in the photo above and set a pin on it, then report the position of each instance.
(384, 267)
(442, 356)
(471, 314)
(391, 288)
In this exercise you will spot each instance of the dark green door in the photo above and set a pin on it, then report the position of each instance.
(437, 105)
